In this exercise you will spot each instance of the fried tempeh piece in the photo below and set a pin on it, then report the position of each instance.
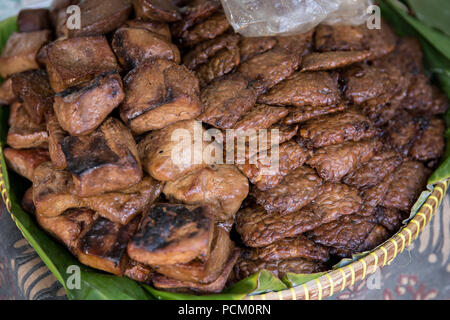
(192, 13)
(81, 109)
(269, 68)
(138, 271)
(250, 47)
(300, 43)
(71, 62)
(157, 10)
(305, 113)
(390, 218)
(19, 53)
(261, 116)
(337, 128)
(104, 161)
(210, 28)
(226, 100)
(334, 162)
(171, 234)
(431, 144)
(24, 161)
(33, 90)
(304, 89)
(295, 191)
(104, 245)
(320, 61)
(158, 94)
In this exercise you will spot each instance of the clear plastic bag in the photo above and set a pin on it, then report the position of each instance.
(257, 18)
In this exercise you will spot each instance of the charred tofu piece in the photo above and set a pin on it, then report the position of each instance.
(261, 116)
(373, 172)
(100, 17)
(138, 271)
(305, 113)
(104, 245)
(171, 234)
(27, 203)
(19, 53)
(105, 160)
(121, 207)
(30, 20)
(158, 94)
(250, 47)
(32, 88)
(289, 248)
(56, 135)
(221, 188)
(226, 100)
(160, 28)
(156, 151)
(23, 132)
(336, 128)
(390, 218)
(208, 29)
(81, 109)
(24, 161)
(299, 44)
(222, 63)
(295, 191)
(269, 68)
(157, 10)
(204, 51)
(7, 95)
(336, 161)
(304, 89)
(409, 179)
(52, 191)
(431, 144)
(163, 282)
(69, 226)
(203, 271)
(245, 268)
(192, 13)
(74, 61)
(346, 233)
(134, 45)
(320, 61)
(264, 174)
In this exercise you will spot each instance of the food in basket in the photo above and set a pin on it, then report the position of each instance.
(351, 116)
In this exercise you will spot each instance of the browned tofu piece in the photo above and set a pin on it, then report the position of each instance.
(250, 47)
(304, 89)
(163, 282)
(7, 95)
(295, 191)
(73, 61)
(121, 207)
(19, 53)
(264, 174)
(68, 226)
(157, 27)
(104, 245)
(105, 160)
(221, 188)
(289, 248)
(222, 63)
(203, 271)
(157, 147)
(350, 125)
(208, 49)
(158, 10)
(210, 28)
(226, 100)
(23, 132)
(138, 271)
(305, 113)
(52, 191)
(269, 68)
(81, 109)
(158, 94)
(261, 116)
(30, 20)
(133, 46)
(24, 161)
(27, 203)
(171, 234)
(101, 17)
(34, 91)
(56, 135)
(57, 6)
(319, 61)
(245, 268)
(335, 161)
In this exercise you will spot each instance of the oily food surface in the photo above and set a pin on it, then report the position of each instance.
(352, 120)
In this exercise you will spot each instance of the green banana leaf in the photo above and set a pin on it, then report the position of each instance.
(97, 285)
